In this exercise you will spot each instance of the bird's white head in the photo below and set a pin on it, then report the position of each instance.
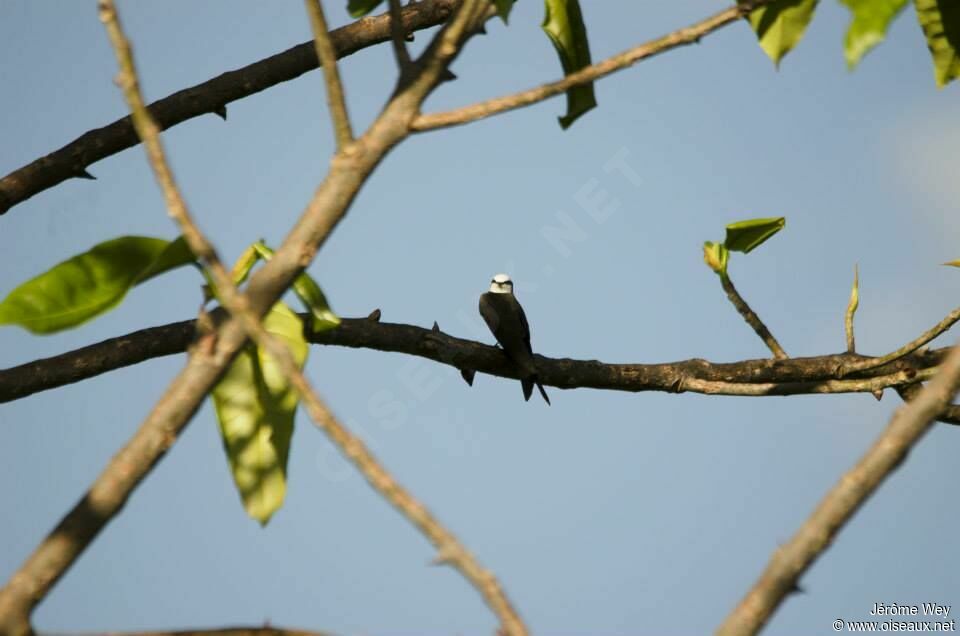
(501, 284)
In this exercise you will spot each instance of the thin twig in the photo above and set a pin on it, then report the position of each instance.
(210, 96)
(852, 310)
(791, 560)
(928, 335)
(331, 75)
(751, 317)
(794, 376)
(149, 133)
(490, 107)
(201, 247)
(449, 549)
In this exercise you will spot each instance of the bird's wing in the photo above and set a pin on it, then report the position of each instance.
(525, 325)
(489, 314)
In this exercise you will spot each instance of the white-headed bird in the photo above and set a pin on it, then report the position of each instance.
(505, 317)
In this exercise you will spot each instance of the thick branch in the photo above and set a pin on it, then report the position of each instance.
(105, 497)
(91, 361)
(211, 96)
(791, 560)
(749, 377)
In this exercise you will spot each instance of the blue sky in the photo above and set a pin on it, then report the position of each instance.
(606, 513)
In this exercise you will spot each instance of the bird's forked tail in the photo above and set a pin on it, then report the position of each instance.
(527, 384)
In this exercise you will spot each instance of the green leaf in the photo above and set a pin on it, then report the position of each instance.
(503, 8)
(780, 25)
(940, 20)
(255, 406)
(868, 28)
(563, 24)
(360, 8)
(744, 236)
(715, 255)
(309, 293)
(175, 254)
(241, 269)
(89, 284)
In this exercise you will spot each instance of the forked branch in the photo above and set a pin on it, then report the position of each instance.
(449, 548)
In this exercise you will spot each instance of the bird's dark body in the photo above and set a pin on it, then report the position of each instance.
(505, 317)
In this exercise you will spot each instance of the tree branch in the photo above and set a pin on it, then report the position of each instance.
(793, 376)
(791, 560)
(328, 61)
(211, 96)
(689, 35)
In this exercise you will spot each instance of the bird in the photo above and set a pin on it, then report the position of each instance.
(504, 315)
